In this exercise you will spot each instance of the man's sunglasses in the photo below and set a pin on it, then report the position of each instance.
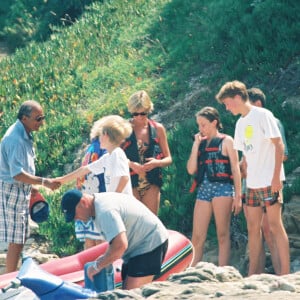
(40, 118)
(135, 114)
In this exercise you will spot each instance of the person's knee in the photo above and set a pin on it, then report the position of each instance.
(267, 235)
(254, 229)
(198, 240)
(265, 229)
(223, 236)
(275, 227)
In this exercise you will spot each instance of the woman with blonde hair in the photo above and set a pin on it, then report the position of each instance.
(147, 150)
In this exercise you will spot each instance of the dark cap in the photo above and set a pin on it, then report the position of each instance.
(68, 203)
(40, 211)
(38, 207)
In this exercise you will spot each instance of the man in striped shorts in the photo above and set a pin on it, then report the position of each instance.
(17, 175)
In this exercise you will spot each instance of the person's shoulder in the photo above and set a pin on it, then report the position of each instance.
(110, 198)
(160, 128)
(268, 116)
(227, 140)
(154, 123)
(16, 132)
(227, 137)
(103, 197)
(279, 123)
(117, 151)
(263, 111)
(259, 114)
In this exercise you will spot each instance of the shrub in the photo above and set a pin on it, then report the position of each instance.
(89, 69)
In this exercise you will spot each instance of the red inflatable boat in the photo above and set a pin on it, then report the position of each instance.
(177, 259)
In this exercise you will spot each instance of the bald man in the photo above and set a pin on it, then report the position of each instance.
(17, 175)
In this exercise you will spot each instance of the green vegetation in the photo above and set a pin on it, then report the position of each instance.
(87, 67)
(23, 21)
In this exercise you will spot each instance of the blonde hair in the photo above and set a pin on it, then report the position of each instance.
(114, 126)
(140, 100)
(94, 131)
(231, 89)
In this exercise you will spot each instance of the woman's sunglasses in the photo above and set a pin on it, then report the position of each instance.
(135, 114)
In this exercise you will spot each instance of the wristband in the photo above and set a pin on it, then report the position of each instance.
(43, 181)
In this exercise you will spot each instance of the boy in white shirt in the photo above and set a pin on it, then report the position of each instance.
(112, 131)
(258, 137)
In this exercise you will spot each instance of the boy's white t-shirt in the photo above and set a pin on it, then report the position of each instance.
(113, 165)
(253, 134)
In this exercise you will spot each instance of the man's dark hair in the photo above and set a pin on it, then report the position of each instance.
(256, 94)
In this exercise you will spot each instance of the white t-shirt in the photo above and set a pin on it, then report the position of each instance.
(113, 165)
(253, 135)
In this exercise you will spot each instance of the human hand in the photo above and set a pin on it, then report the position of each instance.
(137, 168)
(151, 163)
(52, 184)
(237, 205)
(59, 179)
(94, 268)
(197, 138)
(91, 272)
(34, 191)
(276, 185)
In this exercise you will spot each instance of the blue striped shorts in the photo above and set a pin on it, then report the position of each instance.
(14, 212)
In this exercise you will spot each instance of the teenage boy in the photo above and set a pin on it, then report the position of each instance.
(258, 137)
